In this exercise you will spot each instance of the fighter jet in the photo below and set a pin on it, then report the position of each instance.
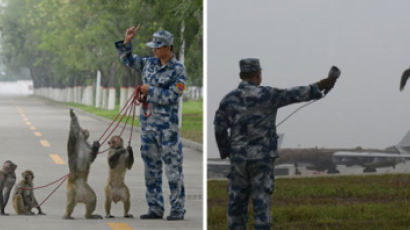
(371, 160)
(327, 160)
(404, 77)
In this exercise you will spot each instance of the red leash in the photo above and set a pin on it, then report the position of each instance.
(54, 190)
(136, 99)
(44, 186)
(142, 100)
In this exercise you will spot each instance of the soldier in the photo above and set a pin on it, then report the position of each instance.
(164, 83)
(245, 131)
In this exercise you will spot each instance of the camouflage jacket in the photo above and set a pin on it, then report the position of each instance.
(245, 122)
(166, 82)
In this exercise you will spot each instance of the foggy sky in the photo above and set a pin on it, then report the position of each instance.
(297, 41)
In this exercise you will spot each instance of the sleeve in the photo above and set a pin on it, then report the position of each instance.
(170, 95)
(133, 61)
(221, 126)
(283, 97)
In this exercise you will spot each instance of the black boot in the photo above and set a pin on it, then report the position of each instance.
(176, 216)
(150, 215)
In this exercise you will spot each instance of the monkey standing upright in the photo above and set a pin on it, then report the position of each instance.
(23, 197)
(119, 160)
(80, 157)
(7, 181)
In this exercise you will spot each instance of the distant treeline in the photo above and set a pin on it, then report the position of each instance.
(64, 43)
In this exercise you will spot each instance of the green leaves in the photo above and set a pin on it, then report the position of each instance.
(68, 40)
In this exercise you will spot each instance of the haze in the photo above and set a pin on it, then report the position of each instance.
(297, 42)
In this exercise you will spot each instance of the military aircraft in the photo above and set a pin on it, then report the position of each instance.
(371, 160)
(320, 159)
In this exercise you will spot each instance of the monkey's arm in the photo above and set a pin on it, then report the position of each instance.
(35, 204)
(94, 150)
(130, 160)
(72, 138)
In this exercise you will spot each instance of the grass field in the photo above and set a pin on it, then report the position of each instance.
(341, 202)
(191, 118)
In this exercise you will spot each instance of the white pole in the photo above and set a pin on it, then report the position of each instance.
(182, 60)
(111, 98)
(98, 90)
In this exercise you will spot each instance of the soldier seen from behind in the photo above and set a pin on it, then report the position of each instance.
(245, 131)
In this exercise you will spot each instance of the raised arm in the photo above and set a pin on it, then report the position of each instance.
(130, 160)
(124, 49)
(94, 150)
(283, 97)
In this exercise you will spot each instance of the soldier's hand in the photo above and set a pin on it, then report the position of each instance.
(144, 89)
(130, 33)
(326, 84)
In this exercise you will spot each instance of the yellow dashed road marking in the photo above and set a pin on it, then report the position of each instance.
(28, 123)
(57, 159)
(119, 226)
(38, 134)
(44, 143)
(25, 119)
(32, 128)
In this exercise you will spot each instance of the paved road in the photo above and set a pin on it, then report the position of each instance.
(32, 129)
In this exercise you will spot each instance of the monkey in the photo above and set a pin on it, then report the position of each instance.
(119, 160)
(23, 197)
(7, 181)
(80, 157)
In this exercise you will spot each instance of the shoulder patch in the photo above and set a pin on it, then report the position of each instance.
(180, 87)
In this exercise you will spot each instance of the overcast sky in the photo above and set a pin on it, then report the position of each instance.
(297, 41)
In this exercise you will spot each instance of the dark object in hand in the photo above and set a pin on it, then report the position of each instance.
(328, 83)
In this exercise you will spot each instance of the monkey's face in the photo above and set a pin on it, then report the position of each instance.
(9, 167)
(116, 142)
(28, 176)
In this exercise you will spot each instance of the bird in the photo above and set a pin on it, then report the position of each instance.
(404, 77)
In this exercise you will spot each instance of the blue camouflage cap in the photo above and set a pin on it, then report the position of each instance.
(161, 38)
(249, 65)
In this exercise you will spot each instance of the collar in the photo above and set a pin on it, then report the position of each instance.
(170, 63)
(244, 84)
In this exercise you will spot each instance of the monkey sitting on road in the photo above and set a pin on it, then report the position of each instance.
(7, 181)
(80, 157)
(119, 160)
(23, 197)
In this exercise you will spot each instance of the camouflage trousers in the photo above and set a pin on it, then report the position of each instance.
(158, 148)
(250, 179)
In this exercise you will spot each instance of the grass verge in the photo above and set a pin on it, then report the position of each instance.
(191, 118)
(341, 202)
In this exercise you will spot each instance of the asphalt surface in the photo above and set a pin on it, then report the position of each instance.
(32, 129)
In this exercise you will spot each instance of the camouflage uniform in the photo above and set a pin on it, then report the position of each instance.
(245, 127)
(160, 135)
